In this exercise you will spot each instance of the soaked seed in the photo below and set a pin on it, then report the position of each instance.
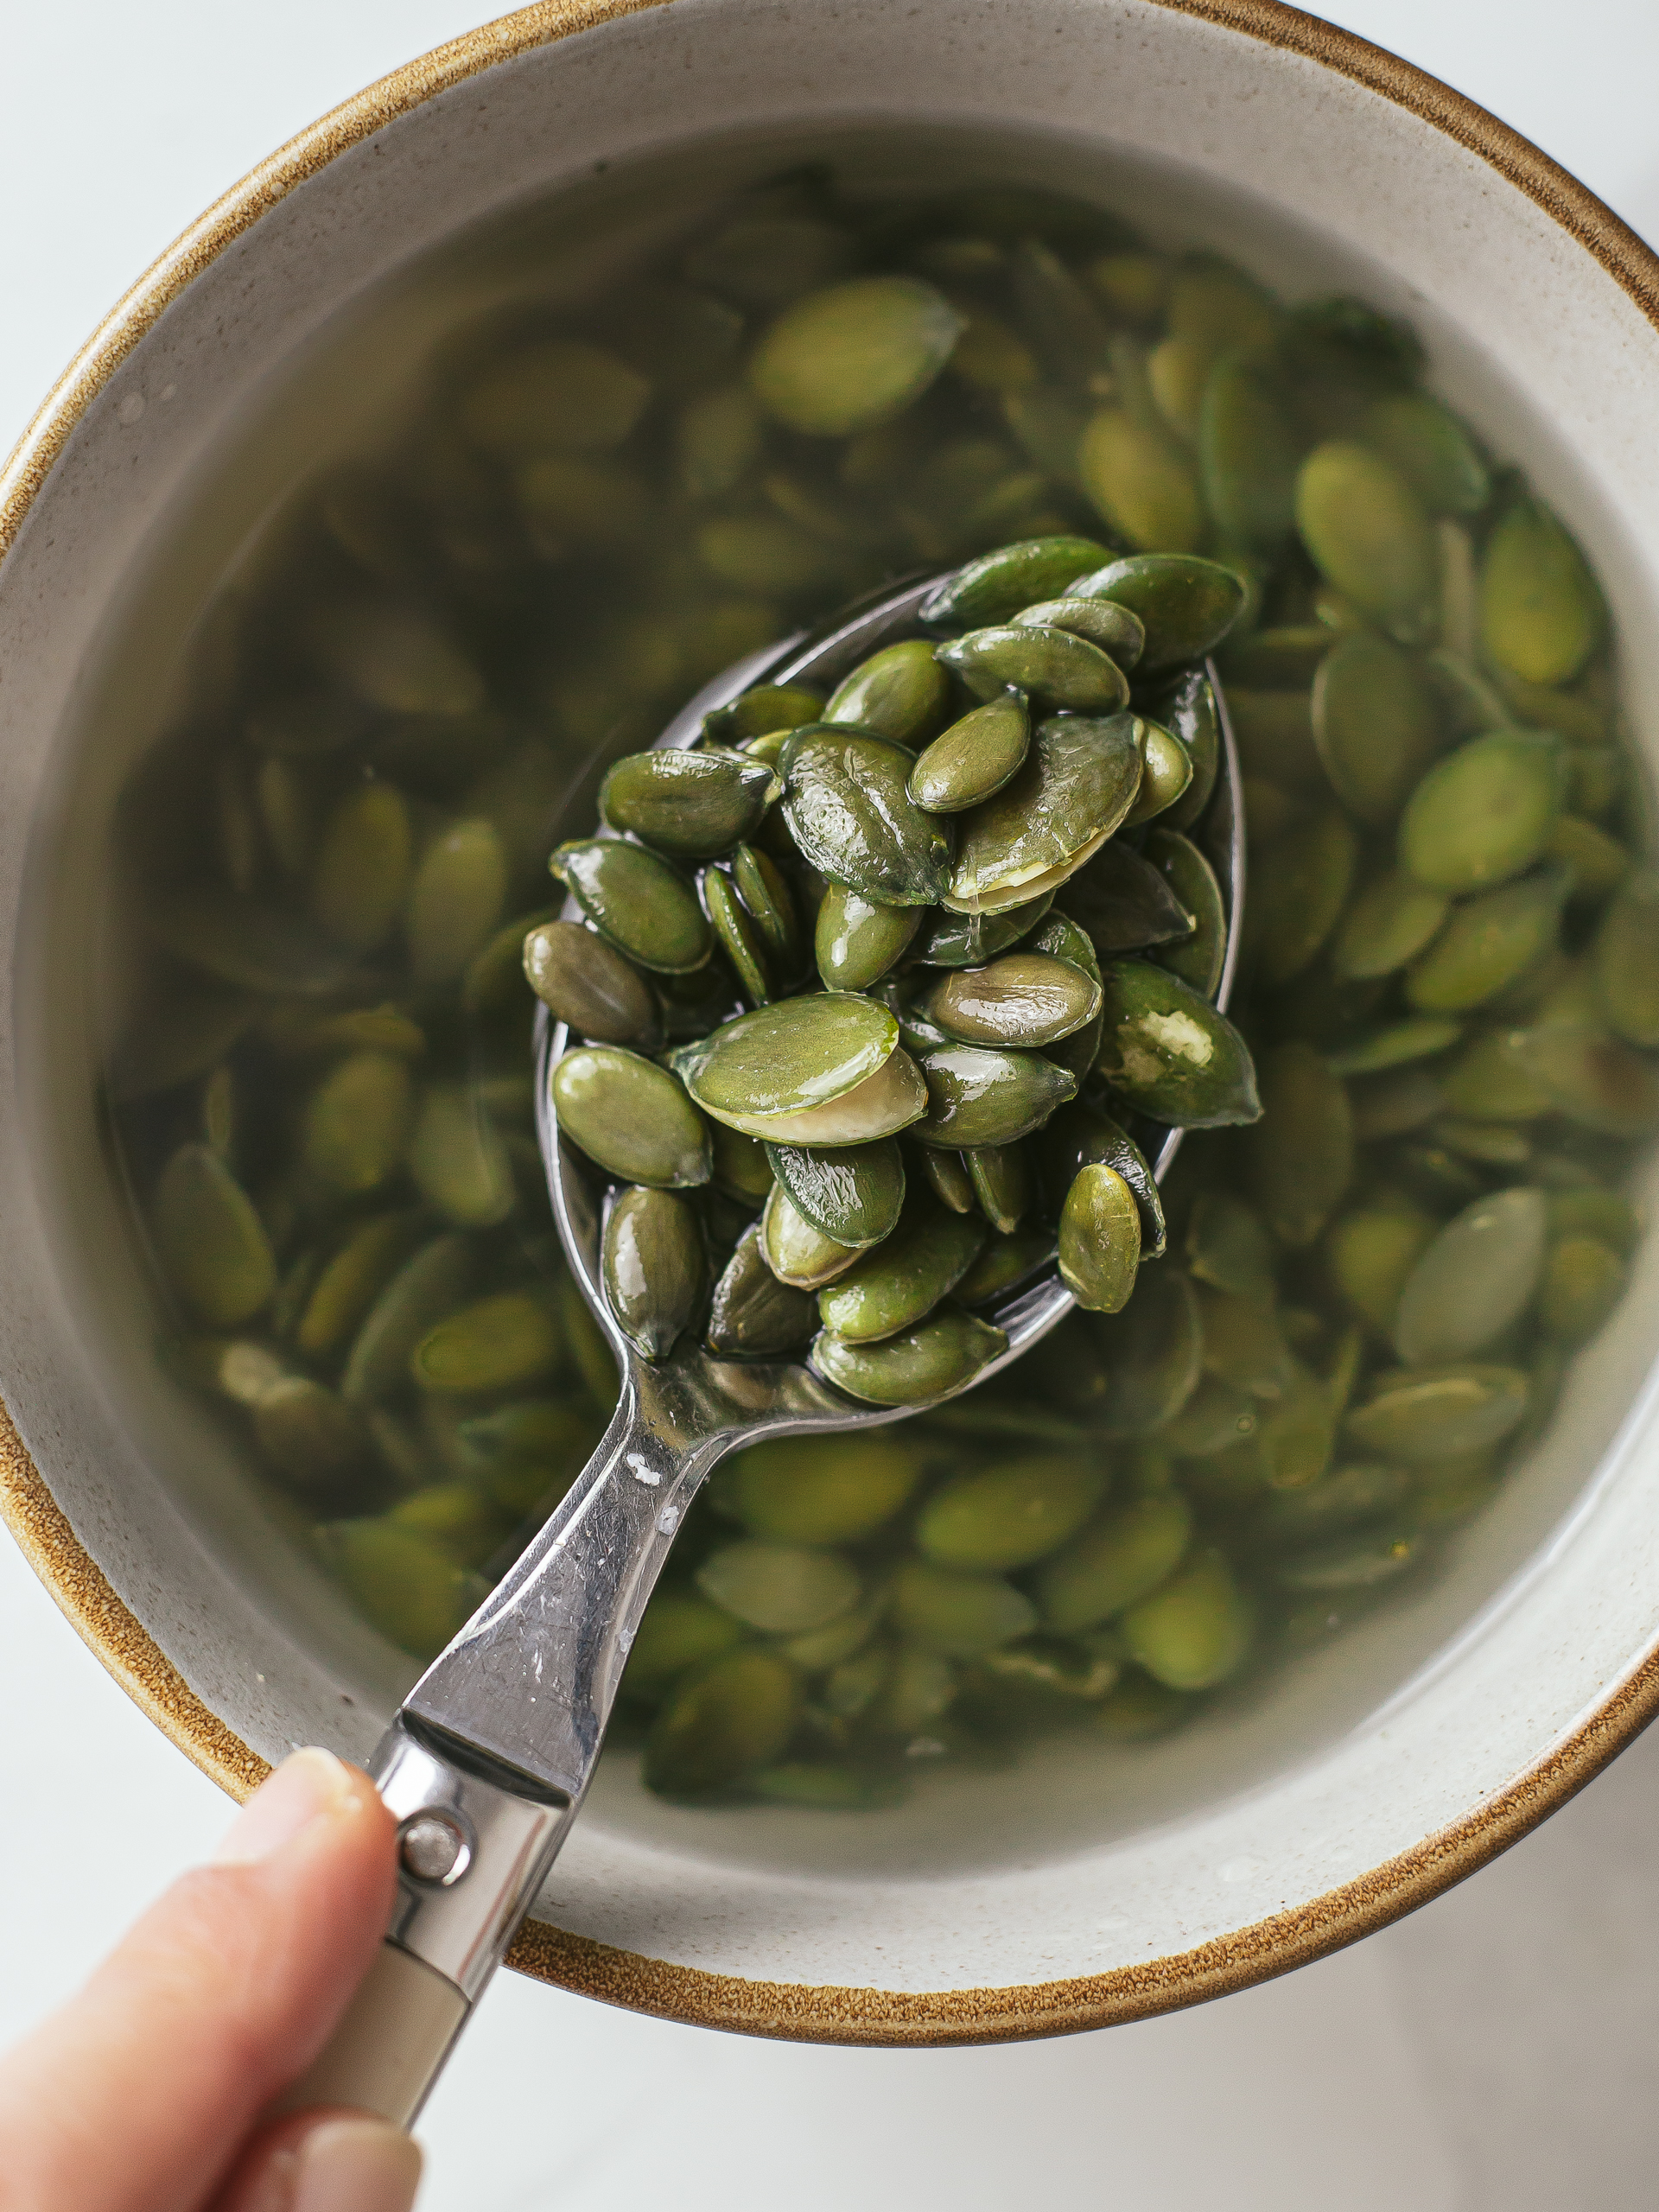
(348, 1285)
(1371, 535)
(947, 1177)
(1138, 478)
(653, 1267)
(210, 1240)
(557, 395)
(509, 1342)
(1583, 1280)
(968, 940)
(1003, 1264)
(1124, 902)
(901, 1282)
(1597, 863)
(974, 758)
(762, 711)
(854, 354)
(850, 1192)
(256, 947)
(1432, 450)
(1597, 1081)
(1009, 1515)
(1474, 1281)
(959, 1615)
(751, 1313)
(1541, 613)
(691, 805)
(363, 867)
(1100, 1240)
(1118, 631)
(1080, 1136)
(1186, 708)
(1485, 811)
(314, 1438)
(1002, 1179)
(1301, 1154)
(856, 941)
(1227, 1246)
(459, 1161)
(1355, 1563)
(1488, 1080)
(455, 901)
(821, 1070)
(424, 1289)
(1248, 450)
(737, 937)
(721, 1721)
(1169, 1052)
(770, 905)
(1185, 606)
(901, 693)
(1165, 774)
(355, 1125)
(587, 984)
(1198, 957)
(979, 1094)
(1388, 925)
(1626, 959)
(637, 902)
(1023, 998)
(1117, 1561)
(1194, 1630)
(1483, 1141)
(679, 1630)
(1300, 892)
(1426, 1414)
(997, 585)
(719, 437)
(630, 1117)
(1394, 1046)
(404, 1586)
(1589, 1211)
(394, 657)
(1374, 723)
(1488, 944)
(1055, 668)
(1079, 780)
(942, 1353)
(796, 1250)
(848, 810)
(821, 1489)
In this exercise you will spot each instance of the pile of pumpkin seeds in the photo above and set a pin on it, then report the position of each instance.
(322, 1101)
(945, 825)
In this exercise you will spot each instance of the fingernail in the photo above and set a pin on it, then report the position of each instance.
(307, 1784)
(356, 2165)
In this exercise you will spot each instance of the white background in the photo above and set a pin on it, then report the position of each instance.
(1498, 2050)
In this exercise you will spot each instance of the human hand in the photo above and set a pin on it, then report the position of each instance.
(147, 2092)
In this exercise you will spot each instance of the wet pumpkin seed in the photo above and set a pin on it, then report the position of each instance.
(1474, 1281)
(1583, 1281)
(1123, 901)
(856, 941)
(1626, 957)
(1002, 1179)
(508, 1342)
(587, 983)
(1185, 606)
(1436, 1413)
(997, 585)
(973, 758)
(977, 1095)
(1488, 944)
(949, 940)
(211, 1243)
(1100, 1240)
(1486, 812)
(901, 1282)
(737, 937)
(1198, 957)
(1374, 723)
(1168, 1051)
(1003, 1264)
(854, 354)
(1194, 1630)
(823, 1070)
(651, 1264)
(637, 902)
(1541, 613)
(356, 1123)
(957, 1614)
(1009, 1515)
(797, 1250)
(1166, 771)
(630, 1117)
(1078, 781)
(1055, 668)
(1118, 1559)
(1300, 892)
(1302, 1152)
(362, 871)
(754, 1314)
(941, 1354)
(1023, 998)
(691, 805)
(947, 1177)
(851, 813)
(901, 693)
(458, 1161)
(1386, 926)
(850, 1192)
(1118, 631)
(1371, 535)
(1080, 1136)
(721, 1721)
(1141, 481)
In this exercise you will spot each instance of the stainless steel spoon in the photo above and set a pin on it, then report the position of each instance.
(486, 1762)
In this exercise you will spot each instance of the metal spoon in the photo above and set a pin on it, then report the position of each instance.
(486, 1762)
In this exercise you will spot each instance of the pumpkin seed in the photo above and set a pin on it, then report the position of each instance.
(1077, 783)
(1596, 862)
(1057, 668)
(736, 936)
(588, 985)
(1594, 1079)
(652, 1265)
(1117, 1561)
(1001, 1181)
(796, 1250)
(1247, 452)
(1169, 1052)
(1436, 1413)
(459, 1161)
(1198, 957)
(1123, 901)
(850, 812)
(1194, 1630)
(679, 1630)
(1432, 450)
(1008, 1516)
(557, 395)
(1118, 631)
(770, 905)
(1355, 1563)
(363, 866)
(977, 1095)
(720, 1721)
(1308, 873)
(1374, 724)
(1138, 479)
(210, 1240)
(997, 585)
(407, 1587)
(356, 1123)
(397, 659)
(346, 1287)
(1486, 812)
(1165, 774)
(426, 1287)
(316, 1442)
(630, 1117)
(256, 947)
(455, 900)
(959, 1615)
(856, 940)
(821, 1070)
(1388, 924)
(943, 1353)
(854, 354)
(1185, 606)
(762, 711)
(508, 1342)
(901, 693)
(1302, 1155)
(1396, 1046)
(974, 758)
(1626, 956)
(1474, 1281)
(1369, 534)
(637, 902)
(1187, 709)
(751, 1313)
(1487, 1080)
(948, 1178)
(821, 1489)
(1488, 944)
(852, 1193)
(903, 1280)
(1227, 1246)
(1078, 1137)
(1023, 998)
(691, 805)
(1100, 1240)
(1540, 614)
(1583, 1281)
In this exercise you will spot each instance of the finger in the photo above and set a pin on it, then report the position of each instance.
(141, 2091)
(325, 2162)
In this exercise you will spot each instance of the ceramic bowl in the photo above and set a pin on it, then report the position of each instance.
(1075, 1891)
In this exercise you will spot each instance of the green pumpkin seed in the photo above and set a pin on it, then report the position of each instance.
(1137, 477)
(1596, 1080)
(1119, 1560)
(1003, 1264)
(1118, 631)
(509, 1342)
(1023, 998)
(1347, 1498)
(1596, 862)
(823, 1490)
(856, 941)
(721, 1721)
(1626, 957)
(751, 1313)
(1165, 774)
(1374, 724)
(997, 585)
(974, 758)
(406, 1587)
(356, 1123)
(1100, 1240)
(901, 1282)
(977, 1095)
(942, 1353)
(256, 947)
(458, 1162)
(363, 867)
(1541, 613)
(719, 437)
(1008, 1516)
(680, 1630)
(1079, 779)
(588, 985)
(1149, 1358)
(637, 902)
(1486, 812)
(957, 1615)
(1002, 1181)
(211, 1241)
(852, 1193)
(343, 1290)
(426, 1287)
(1198, 957)
(901, 693)
(557, 395)
(1056, 668)
(1301, 892)
(1488, 944)
(1194, 1630)
(395, 658)
(1583, 1280)
(1228, 1248)
(1248, 451)
(737, 937)
(1187, 709)
(316, 1442)
(1355, 1563)
(1432, 450)
(653, 1267)
(691, 805)
(1426, 1414)
(762, 711)
(1169, 1053)
(770, 905)
(1185, 606)
(850, 812)
(630, 1117)
(1484, 1141)
(1475, 1280)
(455, 900)
(821, 1070)
(1371, 535)
(1302, 1155)
(947, 1178)
(1389, 923)
(854, 354)
(1400, 1043)
(1078, 1137)
(1123, 902)
(1488, 1081)
(796, 1249)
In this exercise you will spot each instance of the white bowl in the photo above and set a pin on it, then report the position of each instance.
(1077, 1889)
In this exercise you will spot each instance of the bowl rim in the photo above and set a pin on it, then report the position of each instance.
(798, 2011)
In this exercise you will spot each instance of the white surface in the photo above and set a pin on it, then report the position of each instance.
(1495, 2049)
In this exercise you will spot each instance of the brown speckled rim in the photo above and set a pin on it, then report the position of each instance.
(794, 2011)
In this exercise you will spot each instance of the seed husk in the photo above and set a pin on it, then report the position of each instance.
(637, 902)
(1474, 1281)
(974, 758)
(1000, 1176)
(630, 1117)
(1055, 668)
(1119, 1559)
(652, 1267)
(1437, 1412)
(1009, 1515)
(753, 1314)
(1301, 1153)
(1488, 944)
(901, 693)
(1078, 781)
(821, 1070)
(1371, 535)
(1541, 613)
(797, 1250)
(211, 1241)
(941, 1354)
(854, 354)
(1185, 606)
(1169, 1052)
(1388, 924)
(1100, 1240)
(1486, 812)
(356, 1123)
(691, 805)
(1023, 998)
(901, 1282)
(980, 1095)
(458, 1161)
(1374, 723)
(997, 585)
(509, 1342)
(587, 984)
(848, 810)
(956, 1614)
(856, 941)
(850, 1192)
(1138, 478)
(720, 1721)
(1194, 1630)
(1198, 957)
(1626, 959)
